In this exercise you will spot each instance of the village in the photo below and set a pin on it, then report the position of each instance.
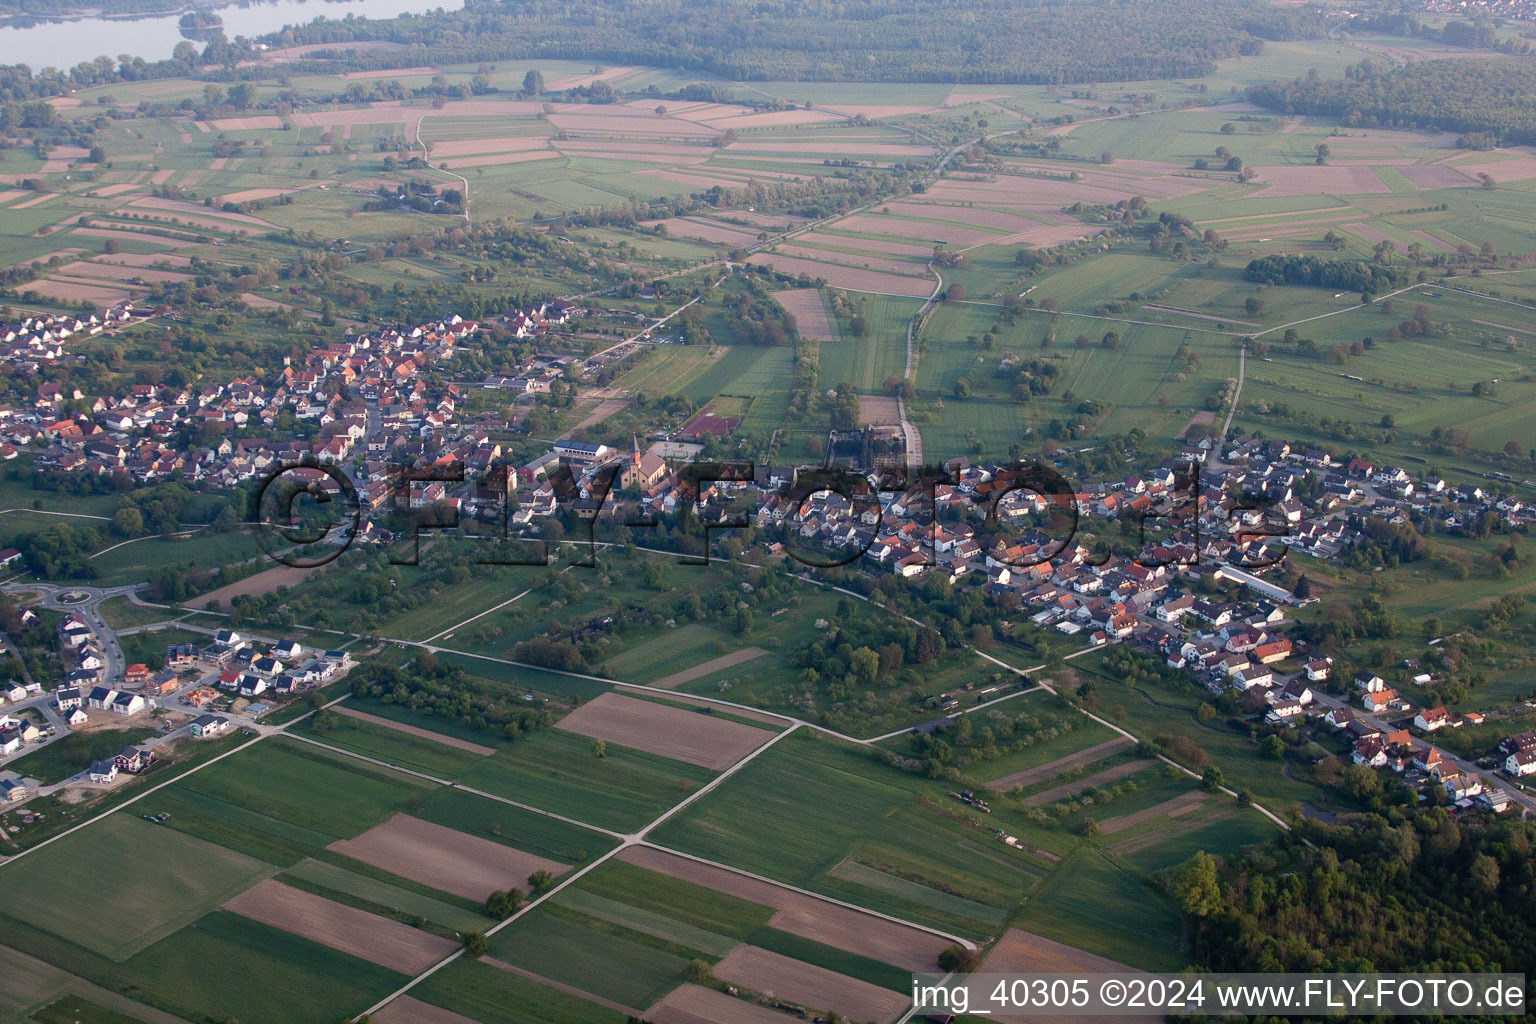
(203, 692)
(379, 406)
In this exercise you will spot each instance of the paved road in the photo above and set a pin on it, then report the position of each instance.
(1490, 779)
(89, 610)
(1237, 396)
(914, 437)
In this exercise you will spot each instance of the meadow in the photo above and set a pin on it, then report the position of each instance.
(807, 805)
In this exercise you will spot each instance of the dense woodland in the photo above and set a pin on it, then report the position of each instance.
(859, 40)
(1495, 96)
(1029, 41)
(1342, 275)
(1401, 891)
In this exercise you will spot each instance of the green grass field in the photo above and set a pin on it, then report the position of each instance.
(280, 780)
(563, 949)
(556, 771)
(1092, 903)
(115, 916)
(806, 806)
(304, 982)
(495, 996)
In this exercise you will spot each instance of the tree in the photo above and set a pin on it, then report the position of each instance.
(540, 880)
(962, 388)
(129, 521)
(1195, 886)
(957, 959)
(1253, 305)
(1212, 778)
(1228, 128)
(1107, 157)
(533, 82)
(476, 945)
(699, 973)
(1303, 588)
(954, 293)
(1273, 748)
(503, 903)
(599, 748)
(865, 664)
(1485, 873)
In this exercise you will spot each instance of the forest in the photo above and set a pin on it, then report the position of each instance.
(1492, 95)
(1029, 41)
(982, 41)
(1404, 890)
(1342, 275)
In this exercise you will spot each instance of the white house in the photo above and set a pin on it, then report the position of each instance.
(1522, 762)
(1431, 719)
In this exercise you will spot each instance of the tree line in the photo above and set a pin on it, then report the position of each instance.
(1032, 41)
(1496, 96)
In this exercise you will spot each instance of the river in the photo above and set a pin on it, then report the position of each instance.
(65, 43)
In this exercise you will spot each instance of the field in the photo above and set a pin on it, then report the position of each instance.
(186, 878)
(377, 940)
(443, 858)
(799, 810)
(551, 769)
(411, 730)
(809, 985)
(1090, 301)
(793, 912)
(665, 730)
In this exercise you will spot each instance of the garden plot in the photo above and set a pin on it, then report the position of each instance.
(829, 923)
(703, 669)
(852, 278)
(444, 858)
(367, 936)
(1018, 952)
(809, 985)
(809, 311)
(695, 1004)
(848, 259)
(1103, 778)
(687, 736)
(1030, 776)
(411, 730)
(1175, 808)
(1326, 180)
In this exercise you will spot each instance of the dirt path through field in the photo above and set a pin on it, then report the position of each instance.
(1179, 805)
(702, 669)
(570, 990)
(1104, 777)
(1040, 773)
(809, 985)
(368, 936)
(444, 858)
(411, 730)
(695, 1004)
(406, 1010)
(674, 732)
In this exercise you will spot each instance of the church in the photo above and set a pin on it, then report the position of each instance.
(643, 471)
